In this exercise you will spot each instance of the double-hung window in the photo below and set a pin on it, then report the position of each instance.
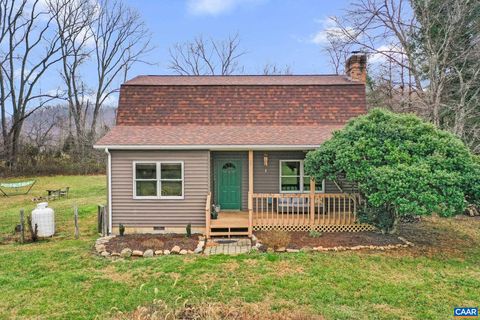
(293, 180)
(158, 180)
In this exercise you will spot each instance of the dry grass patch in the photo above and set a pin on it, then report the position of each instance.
(111, 273)
(444, 236)
(275, 239)
(230, 266)
(284, 268)
(212, 311)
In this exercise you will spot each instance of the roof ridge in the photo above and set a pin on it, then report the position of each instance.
(237, 80)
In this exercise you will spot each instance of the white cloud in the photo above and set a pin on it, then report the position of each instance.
(216, 7)
(329, 30)
(380, 56)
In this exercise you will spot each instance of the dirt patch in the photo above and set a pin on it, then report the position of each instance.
(301, 239)
(154, 242)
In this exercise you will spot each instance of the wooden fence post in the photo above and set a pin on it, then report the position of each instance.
(104, 222)
(22, 226)
(99, 218)
(75, 219)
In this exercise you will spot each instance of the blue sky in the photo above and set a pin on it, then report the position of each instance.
(272, 31)
(280, 32)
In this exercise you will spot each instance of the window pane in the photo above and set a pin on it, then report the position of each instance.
(146, 171)
(171, 171)
(306, 184)
(291, 168)
(290, 183)
(171, 188)
(146, 188)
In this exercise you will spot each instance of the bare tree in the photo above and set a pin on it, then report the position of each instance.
(207, 57)
(421, 47)
(74, 20)
(107, 35)
(121, 40)
(273, 69)
(337, 47)
(28, 49)
(40, 133)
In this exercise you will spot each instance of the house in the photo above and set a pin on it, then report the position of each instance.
(183, 143)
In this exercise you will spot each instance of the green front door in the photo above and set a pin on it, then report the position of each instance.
(229, 184)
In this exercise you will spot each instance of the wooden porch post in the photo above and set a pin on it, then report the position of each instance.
(250, 193)
(312, 202)
(207, 215)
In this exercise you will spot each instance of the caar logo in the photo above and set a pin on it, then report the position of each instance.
(465, 313)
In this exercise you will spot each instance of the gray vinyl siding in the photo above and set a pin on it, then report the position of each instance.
(269, 181)
(232, 155)
(160, 212)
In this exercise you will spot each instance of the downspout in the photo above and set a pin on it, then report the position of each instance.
(109, 188)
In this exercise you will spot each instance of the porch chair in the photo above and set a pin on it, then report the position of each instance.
(297, 203)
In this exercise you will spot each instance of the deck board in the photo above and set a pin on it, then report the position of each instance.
(236, 219)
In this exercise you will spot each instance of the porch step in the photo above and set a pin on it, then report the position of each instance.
(228, 231)
(228, 234)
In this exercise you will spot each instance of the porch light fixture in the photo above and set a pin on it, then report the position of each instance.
(265, 161)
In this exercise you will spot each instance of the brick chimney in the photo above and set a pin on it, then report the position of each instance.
(356, 66)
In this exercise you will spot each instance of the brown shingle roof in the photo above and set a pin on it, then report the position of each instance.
(234, 110)
(261, 80)
(240, 105)
(217, 136)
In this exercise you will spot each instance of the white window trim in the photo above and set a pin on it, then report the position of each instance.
(158, 180)
(302, 176)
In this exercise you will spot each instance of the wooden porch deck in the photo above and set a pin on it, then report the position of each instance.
(233, 219)
(239, 219)
(229, 224)
(287, 211)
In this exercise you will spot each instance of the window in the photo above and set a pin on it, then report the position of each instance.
(146, 179)
(293, 180)
(171, 179)
(158, 180)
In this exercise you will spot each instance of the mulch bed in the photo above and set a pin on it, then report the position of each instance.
(301, 239)
(154, 242)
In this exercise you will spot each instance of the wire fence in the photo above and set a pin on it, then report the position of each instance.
(72, 221)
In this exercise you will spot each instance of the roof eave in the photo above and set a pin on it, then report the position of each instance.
(206, 147)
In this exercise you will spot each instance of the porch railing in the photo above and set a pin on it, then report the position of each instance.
(303, 209)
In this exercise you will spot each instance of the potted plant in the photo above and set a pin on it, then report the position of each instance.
(215, 211)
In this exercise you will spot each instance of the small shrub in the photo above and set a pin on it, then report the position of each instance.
(276, 239)
(401, 165)
(189, 230)
(314, 234)
(33, 229)
(121, 229)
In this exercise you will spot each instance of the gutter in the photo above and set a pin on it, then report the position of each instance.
(208, 147)
(109, 195)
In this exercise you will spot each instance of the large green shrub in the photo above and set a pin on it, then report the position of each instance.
(401, 165)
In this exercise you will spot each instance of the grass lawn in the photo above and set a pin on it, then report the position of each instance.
(85, 191)
(63, 279)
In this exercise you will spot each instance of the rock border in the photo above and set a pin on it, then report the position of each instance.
(405, 244)
(101, 244)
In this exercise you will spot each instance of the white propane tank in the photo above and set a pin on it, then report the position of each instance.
(44, 217)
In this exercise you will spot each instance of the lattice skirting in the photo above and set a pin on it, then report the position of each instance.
(320, 228)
